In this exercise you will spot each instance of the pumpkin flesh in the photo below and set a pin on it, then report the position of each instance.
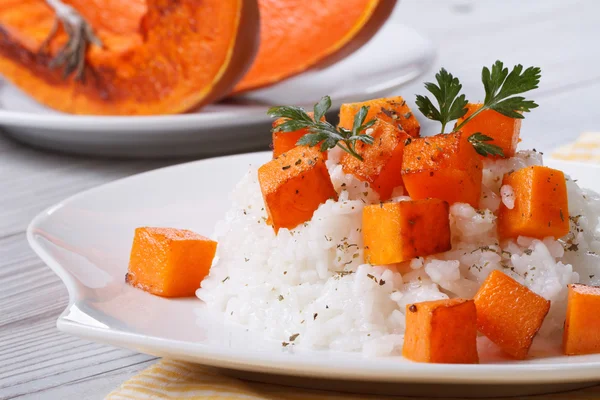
(158, 56)
(297, 35)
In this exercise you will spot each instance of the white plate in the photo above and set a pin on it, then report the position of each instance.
(395, 55)
(86, 240)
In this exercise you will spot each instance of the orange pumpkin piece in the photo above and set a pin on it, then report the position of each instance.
(393, 110)
(582, 326)
(382, 161)
(169, 262)
(157, 56)
(284, 141)
(296, 36)
(504, 130)
(293, 186)
(441, 331)
(509, 314)
(444, 167)
(541, 204)
(395, 232)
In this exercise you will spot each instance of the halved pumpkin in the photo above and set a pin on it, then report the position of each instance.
(297, 35)
(157, 56)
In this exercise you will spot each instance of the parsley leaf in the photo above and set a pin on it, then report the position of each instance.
(501, 87)
(478, 140)
(501, 90)
(360, 126)
(321, 107)
(451, 105)
(321, 131)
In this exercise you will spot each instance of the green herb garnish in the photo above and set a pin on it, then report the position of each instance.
(479, 140)
(451, 106)
(501, 88)
(322, 131)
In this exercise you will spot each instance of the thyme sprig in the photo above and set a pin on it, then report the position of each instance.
(321, 131)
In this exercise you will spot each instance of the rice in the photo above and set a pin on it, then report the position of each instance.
(508, 196)
(309, 286)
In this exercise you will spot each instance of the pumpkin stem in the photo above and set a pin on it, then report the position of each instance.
(70, 57)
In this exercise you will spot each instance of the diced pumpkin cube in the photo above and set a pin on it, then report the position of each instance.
(504, 130)
(541, 204)
(382, 161)
(395, 232)
(293, 186)
(169, 262)
(393, 110)
(285, 141)
(441, 331)
(444, 167)
(582, 326)
(509, 314)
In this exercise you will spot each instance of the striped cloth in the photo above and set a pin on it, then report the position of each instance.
(178, 380)
(585, 149)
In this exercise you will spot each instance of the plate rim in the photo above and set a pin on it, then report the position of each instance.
(379, 369)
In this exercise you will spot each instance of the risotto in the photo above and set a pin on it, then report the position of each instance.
(310, 286)
(368, 236)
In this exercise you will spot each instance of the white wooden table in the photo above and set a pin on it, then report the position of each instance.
(37, 361)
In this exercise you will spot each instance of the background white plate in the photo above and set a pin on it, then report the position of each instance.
(395, 55)
(86, 240)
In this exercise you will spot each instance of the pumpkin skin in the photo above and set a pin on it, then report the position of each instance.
(297, 35)
(158, 56)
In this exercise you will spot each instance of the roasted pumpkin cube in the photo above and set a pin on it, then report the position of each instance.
(444, 167)
(285, 141)
(293, 186)
(382, 161)
(441, 331)
(395, 232)
(541, 204)
(582, 326)
(169, 262)
(509, 314)
(502, 129)
(393, 110)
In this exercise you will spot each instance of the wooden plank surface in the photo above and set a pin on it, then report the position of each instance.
(38, 362)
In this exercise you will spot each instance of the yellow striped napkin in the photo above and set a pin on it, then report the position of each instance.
(585, 149)
(178, 380)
